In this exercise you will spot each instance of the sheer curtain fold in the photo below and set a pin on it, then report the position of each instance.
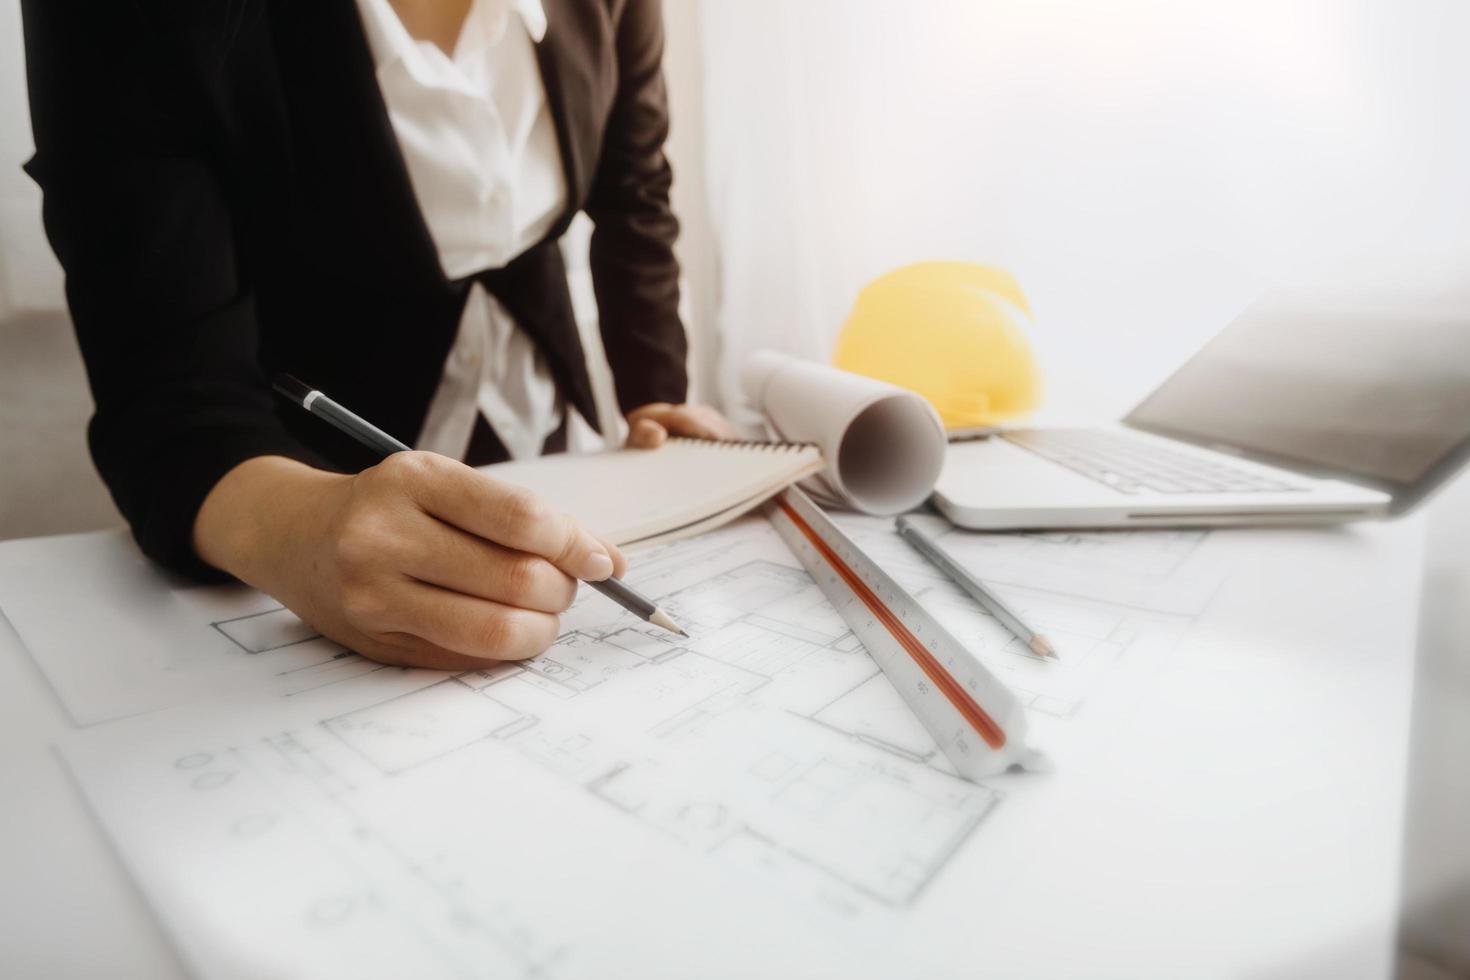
(1144, 168)
(29, 276)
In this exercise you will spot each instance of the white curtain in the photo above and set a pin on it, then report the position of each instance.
(29, 276)
(1144, 168)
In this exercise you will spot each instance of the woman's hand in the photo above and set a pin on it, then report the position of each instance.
(649, 425)
(419, 561)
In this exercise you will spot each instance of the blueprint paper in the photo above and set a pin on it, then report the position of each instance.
(394, 825)
(755, 799)
(884, 445)
(116, 635)
(1114, 604)
(606, 809)
(1160, 570)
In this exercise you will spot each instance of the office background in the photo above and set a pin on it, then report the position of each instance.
(1145, 169)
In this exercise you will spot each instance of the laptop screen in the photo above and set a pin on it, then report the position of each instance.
(1381, 395)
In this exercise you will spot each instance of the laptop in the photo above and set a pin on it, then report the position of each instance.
(1295, 413)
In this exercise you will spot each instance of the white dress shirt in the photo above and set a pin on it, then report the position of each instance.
(485, 164)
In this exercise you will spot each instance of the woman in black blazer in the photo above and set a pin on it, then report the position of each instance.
(224, 190)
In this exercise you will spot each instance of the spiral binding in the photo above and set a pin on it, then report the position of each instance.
(746, 444)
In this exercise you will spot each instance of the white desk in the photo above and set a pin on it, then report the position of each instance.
(1238, 814)
(69, 908)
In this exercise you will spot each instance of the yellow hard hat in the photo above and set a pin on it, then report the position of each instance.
(950, 331)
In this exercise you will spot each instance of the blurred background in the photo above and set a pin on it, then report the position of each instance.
(1145, 169)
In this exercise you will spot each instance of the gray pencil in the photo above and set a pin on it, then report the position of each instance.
(937, 556)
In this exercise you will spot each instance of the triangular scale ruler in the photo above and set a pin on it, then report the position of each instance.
(976, 720)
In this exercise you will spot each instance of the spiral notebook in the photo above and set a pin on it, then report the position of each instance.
(639, 497)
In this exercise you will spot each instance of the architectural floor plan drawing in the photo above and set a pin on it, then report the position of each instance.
(765, 758)
(292, 657)
(261, 632)
(769, 738)
(117, 636)
(1165, 570)
(1077, 606)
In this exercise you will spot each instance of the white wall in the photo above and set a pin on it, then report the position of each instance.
(684, 70)
(1145, 167)
(29, 276)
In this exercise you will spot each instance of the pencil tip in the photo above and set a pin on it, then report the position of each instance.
(661, 618)
(1042, 647)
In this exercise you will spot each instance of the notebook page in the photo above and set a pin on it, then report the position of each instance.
(632, 494)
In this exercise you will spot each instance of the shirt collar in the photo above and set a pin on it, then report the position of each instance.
(484, 26)
(486, 23)
(533, 14)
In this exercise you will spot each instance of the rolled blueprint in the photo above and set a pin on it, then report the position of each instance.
(884, 445)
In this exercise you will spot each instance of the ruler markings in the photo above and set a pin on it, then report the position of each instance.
(985, 726)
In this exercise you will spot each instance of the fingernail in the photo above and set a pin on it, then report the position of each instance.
(597, 567)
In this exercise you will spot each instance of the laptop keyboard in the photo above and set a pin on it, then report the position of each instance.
(1131, 465)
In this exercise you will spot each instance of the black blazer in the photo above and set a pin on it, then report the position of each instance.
(226, 195)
